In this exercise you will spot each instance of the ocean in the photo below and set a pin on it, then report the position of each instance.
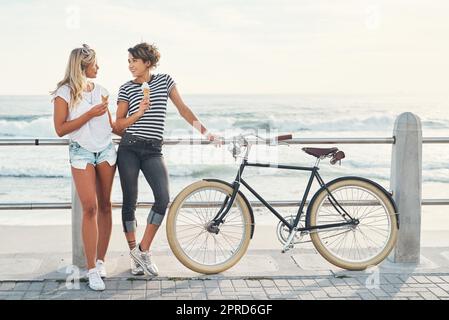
(35, 174)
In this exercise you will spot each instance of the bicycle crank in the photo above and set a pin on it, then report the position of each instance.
(283, 232)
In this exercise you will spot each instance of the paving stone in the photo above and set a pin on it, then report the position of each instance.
(297, 283)
(319, 294)
(111, 285)
(306, 297)
(253, 284)
(152, 293)
(267, 283)
(324, 283)
(182, 284)
(167, 284)
(124, 285)
(153, 285)
(21, 286)
(422, 279)
(435, 279)
(428, 296)
(211, 284)
(139, 285)
(393, 279)
(405, 294)
(439, 292)
(444, 286)
(196, 283)
(281, 283)
(36, 286)
(272, 291)
(7, 286)
(225, 284)
(239, 284)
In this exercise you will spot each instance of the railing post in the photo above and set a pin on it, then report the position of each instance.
(78, 258)
(406, 184)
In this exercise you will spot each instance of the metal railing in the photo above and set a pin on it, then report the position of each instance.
(144, 204)
(279, 203)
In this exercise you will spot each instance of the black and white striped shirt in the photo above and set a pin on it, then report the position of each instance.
(151, 124)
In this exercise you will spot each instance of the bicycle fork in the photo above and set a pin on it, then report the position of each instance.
(221, 214)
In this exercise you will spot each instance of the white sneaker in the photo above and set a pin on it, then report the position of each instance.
(144, 260)
(95, 281)
(101, 268)
(136, 269)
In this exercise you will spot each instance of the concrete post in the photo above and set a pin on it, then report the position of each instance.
(78, 258)
(406, 184)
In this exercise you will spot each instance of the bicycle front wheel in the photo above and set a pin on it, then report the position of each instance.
(358, 246)
(190, 237)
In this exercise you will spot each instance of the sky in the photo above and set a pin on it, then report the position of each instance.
(235, 47)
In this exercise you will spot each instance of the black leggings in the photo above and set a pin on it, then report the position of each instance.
(135, 154)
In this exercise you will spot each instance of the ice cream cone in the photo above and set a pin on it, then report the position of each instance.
(146, 90)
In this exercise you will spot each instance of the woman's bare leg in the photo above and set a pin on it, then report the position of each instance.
(85, 186)
(147, 240)
(131, 238)
(105, 178)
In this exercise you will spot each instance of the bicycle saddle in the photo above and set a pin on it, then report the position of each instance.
(320, 152)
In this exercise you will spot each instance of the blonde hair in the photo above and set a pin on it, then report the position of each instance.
(75, 73)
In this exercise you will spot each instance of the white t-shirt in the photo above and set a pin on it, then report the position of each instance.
(96, 134)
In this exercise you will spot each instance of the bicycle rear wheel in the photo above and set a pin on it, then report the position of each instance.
(353, 247)
(190, 239)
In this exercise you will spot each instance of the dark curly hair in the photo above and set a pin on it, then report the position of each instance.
(147, 52)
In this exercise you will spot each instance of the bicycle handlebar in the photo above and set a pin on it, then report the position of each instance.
(283, 137)
(271, 141)
(239, 142)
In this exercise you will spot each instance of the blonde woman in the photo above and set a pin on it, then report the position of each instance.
(81, 113)
(141, 113)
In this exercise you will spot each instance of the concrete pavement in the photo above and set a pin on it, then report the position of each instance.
(37, 265)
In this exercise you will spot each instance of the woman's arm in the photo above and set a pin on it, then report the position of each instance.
(185, 111)
(61, 112)
(190, 117)
(122, 122)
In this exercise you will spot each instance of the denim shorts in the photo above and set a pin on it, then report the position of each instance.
(80, 157)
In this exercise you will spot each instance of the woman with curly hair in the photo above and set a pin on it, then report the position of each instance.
(141, 113)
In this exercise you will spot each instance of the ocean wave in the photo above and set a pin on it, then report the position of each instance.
(23, 118)
(297, 123)
(228, 172)
(292, 123)
(435, 124)
(175, 171)
(30, 170)
(31, 175)
(41, 127)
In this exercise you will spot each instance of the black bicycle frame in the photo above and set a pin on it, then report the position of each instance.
(228, 202)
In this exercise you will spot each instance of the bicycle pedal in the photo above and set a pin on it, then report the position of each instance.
(285, 249)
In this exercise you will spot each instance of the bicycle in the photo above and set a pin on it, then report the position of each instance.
(352, 221)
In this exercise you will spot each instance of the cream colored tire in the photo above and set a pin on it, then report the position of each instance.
(177, 211)
(385, 208)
